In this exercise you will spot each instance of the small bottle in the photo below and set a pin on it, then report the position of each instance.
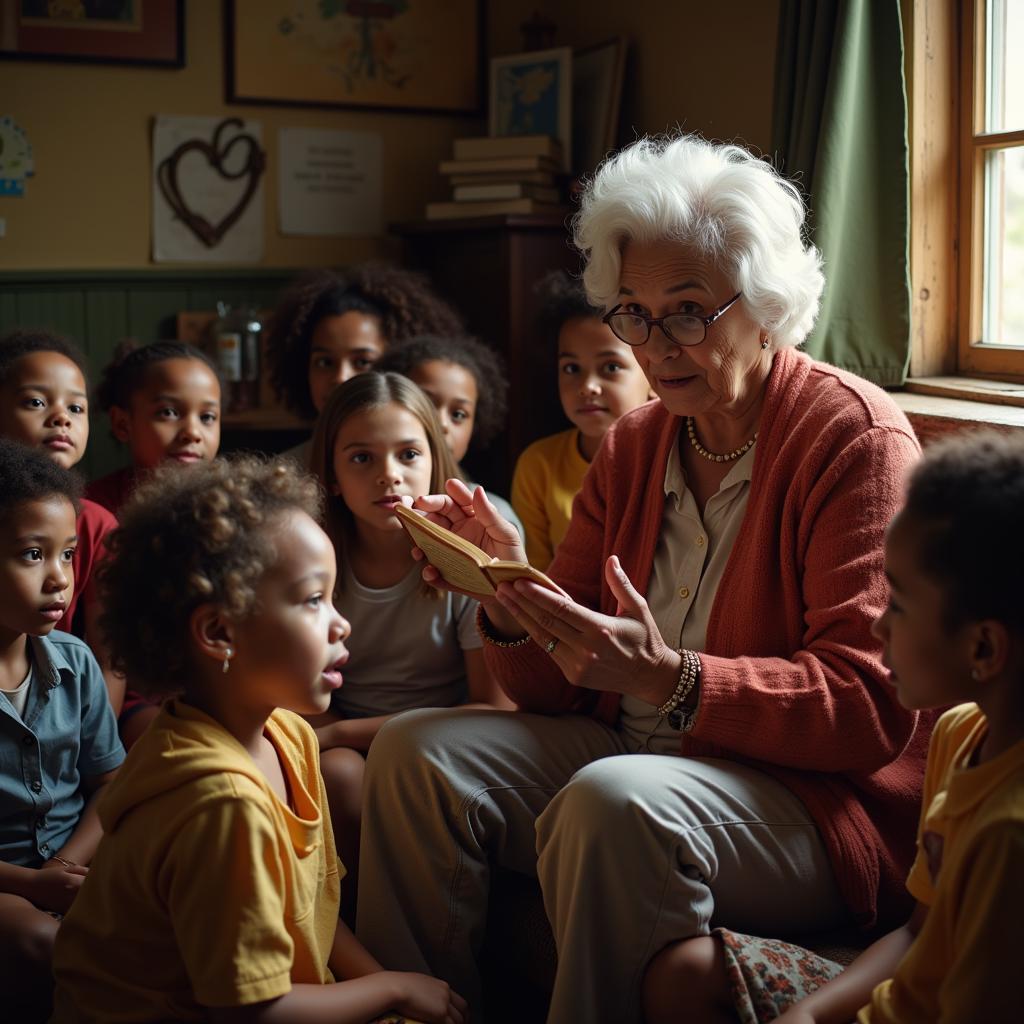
(227, 354)
(252, 330)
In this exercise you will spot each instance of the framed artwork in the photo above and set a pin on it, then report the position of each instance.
(597, 75)
(148, 32)
(531, 94)
(413, 55)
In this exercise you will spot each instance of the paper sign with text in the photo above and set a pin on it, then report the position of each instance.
(329, 182)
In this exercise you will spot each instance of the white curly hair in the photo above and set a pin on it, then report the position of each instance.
(732, 207)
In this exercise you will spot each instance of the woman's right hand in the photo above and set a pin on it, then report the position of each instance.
(427, 999)
(470, 515)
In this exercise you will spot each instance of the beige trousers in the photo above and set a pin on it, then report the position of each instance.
(633, 851)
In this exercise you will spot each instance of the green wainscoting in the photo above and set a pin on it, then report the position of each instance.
(100, 308)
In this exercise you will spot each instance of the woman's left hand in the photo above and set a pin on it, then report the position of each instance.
(623, 653)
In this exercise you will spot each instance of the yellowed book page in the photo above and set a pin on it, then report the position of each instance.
(457, 569)
(506, 572)
(457, 560)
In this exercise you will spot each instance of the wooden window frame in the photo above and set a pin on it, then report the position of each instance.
(947, 192)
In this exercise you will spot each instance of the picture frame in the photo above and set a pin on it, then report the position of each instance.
(417, 56)
(149, 33)
(531, 94)
(598, 72)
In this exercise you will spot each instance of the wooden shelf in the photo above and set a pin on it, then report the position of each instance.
(520, 222)
(263, 419)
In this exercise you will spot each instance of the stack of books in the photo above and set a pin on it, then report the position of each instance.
(510, 174)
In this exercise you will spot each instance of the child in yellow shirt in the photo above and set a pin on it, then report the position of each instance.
(214, 894)
(953, 632)
(599, 380)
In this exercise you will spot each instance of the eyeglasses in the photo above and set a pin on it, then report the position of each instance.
(686, 329)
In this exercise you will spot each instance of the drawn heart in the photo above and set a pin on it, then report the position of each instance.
(217, 156)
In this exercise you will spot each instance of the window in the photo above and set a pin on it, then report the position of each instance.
(992, 188)
(966, 77)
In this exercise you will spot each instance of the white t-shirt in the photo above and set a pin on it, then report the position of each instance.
(406, 648)
(19, 696)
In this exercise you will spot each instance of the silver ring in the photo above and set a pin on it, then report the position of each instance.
(551, 645)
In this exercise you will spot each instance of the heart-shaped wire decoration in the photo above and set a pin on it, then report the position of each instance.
(216, 155)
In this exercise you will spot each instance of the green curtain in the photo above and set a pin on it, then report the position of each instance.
(840, 130)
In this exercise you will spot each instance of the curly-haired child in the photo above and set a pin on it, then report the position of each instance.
(163, 400)
(58, 739)
(214, 895)
(329, 327)
(44, 403)
(953, 634)
(465, 379)
(599, 380)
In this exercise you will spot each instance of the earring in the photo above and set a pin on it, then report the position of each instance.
(975, 675)
(228, 655)
(765, 343)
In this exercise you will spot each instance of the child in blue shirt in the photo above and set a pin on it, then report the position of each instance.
(58, 737)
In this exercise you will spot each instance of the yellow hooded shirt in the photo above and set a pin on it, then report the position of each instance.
(206, 890)
(963, 962)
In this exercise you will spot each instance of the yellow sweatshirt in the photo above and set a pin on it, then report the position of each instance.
(206, 890)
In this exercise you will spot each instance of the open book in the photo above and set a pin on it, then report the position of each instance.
(460, 562)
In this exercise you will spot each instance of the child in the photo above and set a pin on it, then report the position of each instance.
(953, 634)
(44, 403)
(58, 739)
(599, 380)
(329, 327)
(376, 443)
(466, 382)
(215, 892)
(164, 403)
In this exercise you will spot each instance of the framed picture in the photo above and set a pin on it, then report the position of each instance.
(149, 32)
(531, 94)
(419, 56)
(597, 74)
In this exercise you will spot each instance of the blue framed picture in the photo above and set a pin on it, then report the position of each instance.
(531, 94)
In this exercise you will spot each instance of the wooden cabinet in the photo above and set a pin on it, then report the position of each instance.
(487, 268)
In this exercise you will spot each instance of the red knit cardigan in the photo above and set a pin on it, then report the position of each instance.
(792, 681)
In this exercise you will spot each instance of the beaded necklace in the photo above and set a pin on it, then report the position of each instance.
(711, 456)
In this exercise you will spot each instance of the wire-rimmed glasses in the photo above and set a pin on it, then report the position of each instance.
(686, 329)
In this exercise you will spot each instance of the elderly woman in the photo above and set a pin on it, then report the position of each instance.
(707, 734)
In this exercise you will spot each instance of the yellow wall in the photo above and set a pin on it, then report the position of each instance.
(88, 204)
(707, 66)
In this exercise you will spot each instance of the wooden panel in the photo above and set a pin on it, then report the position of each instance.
(933, 196)
(106, 324)
(57, 309)
(8, 310)
(152, 312)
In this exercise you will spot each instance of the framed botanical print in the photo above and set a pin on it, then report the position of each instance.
(411, 55)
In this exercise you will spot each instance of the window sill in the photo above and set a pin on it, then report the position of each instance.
(936, 415)
(970, 389)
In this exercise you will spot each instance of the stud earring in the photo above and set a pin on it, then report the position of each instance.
(228, 655)
(975, 675)
(764, 343)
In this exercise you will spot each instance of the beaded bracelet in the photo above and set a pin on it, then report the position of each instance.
(688, 676)
(493, 640)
